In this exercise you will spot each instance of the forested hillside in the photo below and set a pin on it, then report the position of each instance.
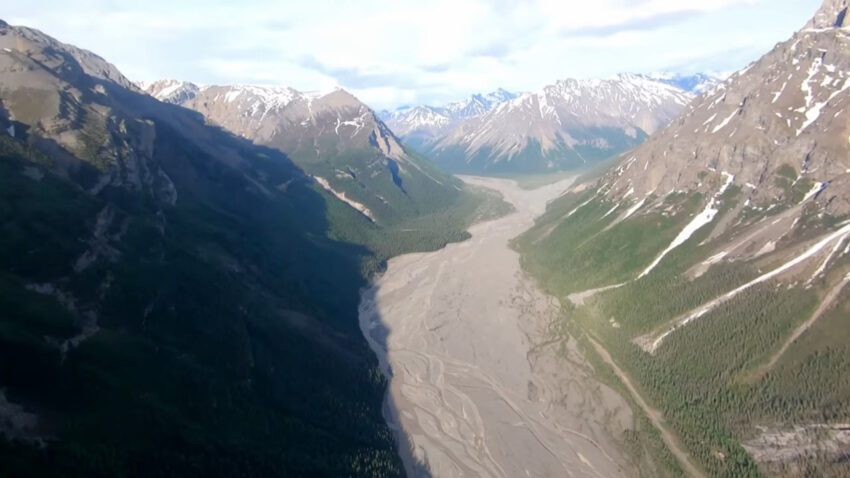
(712, 263)
(176, 300)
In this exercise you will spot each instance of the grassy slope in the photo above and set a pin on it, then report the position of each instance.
(696, 377)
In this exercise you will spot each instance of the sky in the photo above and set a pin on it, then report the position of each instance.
(393, 53)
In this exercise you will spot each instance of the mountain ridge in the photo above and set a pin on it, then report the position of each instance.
(564, 125)
(712, 261)
(179, 287)
(418, 125)
(333, 136)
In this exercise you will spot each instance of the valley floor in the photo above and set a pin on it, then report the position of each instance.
(477, 388)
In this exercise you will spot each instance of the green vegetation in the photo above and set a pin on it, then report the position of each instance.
(699, 377)
(214, 336)
(643, 441)
(422, 233)
(394, 190)
(589, 254)
(228, 341)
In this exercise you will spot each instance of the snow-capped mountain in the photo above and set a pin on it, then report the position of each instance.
(567, 124)
(478, 104)
(697, 83)
(783, 114)
(170, 91)
(419, 125)
(333, 136)
(408, 121)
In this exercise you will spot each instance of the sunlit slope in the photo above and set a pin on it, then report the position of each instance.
(722, 248)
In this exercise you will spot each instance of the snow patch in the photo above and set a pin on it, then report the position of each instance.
(840, 235)
(823, 264)
(813, 112)
(701, 219)
(725, 122)
(580, 206)
(612, 210)
(634, 208)
(779, 93)
(231, 95)
(817, 188)
(168, 90)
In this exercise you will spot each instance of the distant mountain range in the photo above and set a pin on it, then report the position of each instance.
(568, 124)
(697, 83)
(420, 124)
(564, 125)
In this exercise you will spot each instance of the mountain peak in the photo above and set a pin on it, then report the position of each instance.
(424, 122)
(169, 90)
(565, 124)
(832, 14)
(340, 94)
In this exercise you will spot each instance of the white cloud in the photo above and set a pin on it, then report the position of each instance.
(415, 51)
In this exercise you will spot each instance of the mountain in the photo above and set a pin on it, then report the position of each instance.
(173, 300)
(712, 262)
(567, 124)
(478, 103)
(418, 125)
(697, 83)
(333, 137)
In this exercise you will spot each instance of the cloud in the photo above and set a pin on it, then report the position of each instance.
(637, 24)
(357, 77)
(436, 68)
(415, 51)
(493, 50)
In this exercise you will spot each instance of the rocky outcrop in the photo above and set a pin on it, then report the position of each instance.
(832, 14)
(780, 127)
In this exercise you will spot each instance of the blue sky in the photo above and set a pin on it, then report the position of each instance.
(410, 52)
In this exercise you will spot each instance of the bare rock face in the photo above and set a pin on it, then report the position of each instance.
(59, 96)
(98, 128)
(784, 116)
(284, 117)
(752, 178)
(832, 14)
(29, 40)
(766, 154)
